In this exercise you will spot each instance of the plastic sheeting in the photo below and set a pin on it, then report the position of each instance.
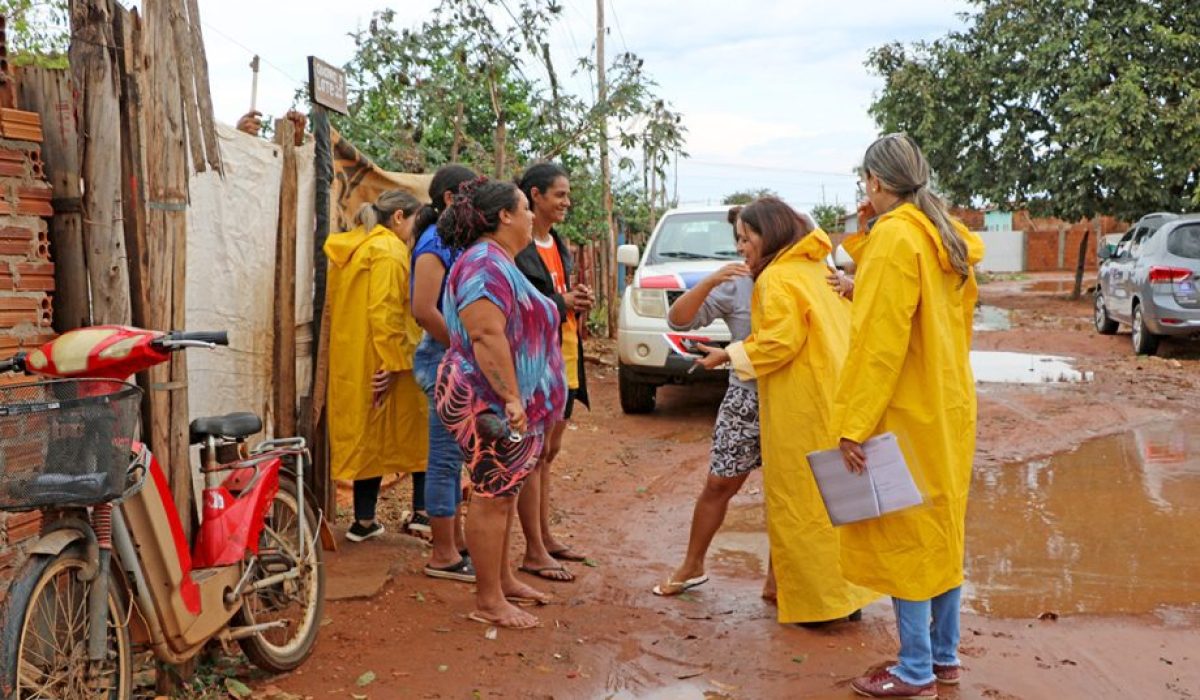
(232, 223)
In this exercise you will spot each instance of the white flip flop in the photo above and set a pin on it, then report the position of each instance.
(680, 586)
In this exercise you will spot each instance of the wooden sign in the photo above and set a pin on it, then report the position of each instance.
(327, 85)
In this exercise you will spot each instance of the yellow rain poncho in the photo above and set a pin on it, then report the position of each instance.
(372, 328)
(799, 332)
(909, 373)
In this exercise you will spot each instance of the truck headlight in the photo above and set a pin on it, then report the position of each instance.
(651, 303)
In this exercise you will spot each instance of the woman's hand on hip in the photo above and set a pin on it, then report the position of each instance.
(853, 455)
(381, 382)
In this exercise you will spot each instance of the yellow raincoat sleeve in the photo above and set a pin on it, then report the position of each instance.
(778, 336)
(886, 297)
(386, 289)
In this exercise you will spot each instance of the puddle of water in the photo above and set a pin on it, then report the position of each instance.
(1023, 368)
(992, 318)
(741, 548)
(1109, 528)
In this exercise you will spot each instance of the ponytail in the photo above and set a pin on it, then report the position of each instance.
(381, 211)
(476, 211)
(934, 208)
(448, 178)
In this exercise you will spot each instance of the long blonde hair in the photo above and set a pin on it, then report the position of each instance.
(385, 207)
(902, 169)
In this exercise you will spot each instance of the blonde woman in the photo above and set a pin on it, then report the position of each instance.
(909, 372)
(377, 412)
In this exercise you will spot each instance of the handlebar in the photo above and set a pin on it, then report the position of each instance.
(177, 340)
(16, 363)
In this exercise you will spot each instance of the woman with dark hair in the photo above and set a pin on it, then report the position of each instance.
(547, 263)
(501, 384)
(377, 413)
(443, 492)
(909, 373)
(800, 329)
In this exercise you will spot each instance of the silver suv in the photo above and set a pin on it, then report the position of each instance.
(1150, 282)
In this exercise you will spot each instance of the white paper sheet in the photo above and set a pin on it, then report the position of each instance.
(884, 487)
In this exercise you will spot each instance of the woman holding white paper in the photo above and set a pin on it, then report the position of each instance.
(908, 372)
(799, 331)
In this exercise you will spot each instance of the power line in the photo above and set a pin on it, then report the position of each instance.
(612, 5)
(775, 168)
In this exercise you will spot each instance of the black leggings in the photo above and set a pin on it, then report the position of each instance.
(366, 496)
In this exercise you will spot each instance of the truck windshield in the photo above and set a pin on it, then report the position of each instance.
(694, 236)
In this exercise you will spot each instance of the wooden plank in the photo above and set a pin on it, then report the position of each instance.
(97, 84)
(182, 46)
(283, 371)
(128, 31)
(208, 124)
(49, 93)
(166, 202)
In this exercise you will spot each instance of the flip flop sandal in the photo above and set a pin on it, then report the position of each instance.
(462, 571)
(565, 554)
(476, 616)
(523, 602)
(542, 573)
(671, 588)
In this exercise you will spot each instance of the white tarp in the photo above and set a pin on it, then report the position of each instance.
(232, 223)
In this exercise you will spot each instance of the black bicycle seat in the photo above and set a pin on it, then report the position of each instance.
(234, 426)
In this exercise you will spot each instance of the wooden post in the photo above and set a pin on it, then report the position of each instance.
(316, 426)
(49, 93)
(610, 275)
(283, 372)
(128, 31)
(167, 201)
(96, 80)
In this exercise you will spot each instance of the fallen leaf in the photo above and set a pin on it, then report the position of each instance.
(237, 688)
(357, 696)
(642, 489)
(419, 596)
(800, 659)
(725, 687)
(443, 668)
(685, 676)
(365, 679)
(491, 633)
(591, 562)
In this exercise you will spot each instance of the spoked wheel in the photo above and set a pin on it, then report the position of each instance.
(297, 602)
(45, 633)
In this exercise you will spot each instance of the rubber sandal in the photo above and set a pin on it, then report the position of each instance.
(462, 571)
(565, 554)
(476, 616)
(523, 602)
(541, 573)
(671, 588)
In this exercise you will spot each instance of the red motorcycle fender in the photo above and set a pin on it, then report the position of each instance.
(232, 524)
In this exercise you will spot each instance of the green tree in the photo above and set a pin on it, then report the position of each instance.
(38, 32)
(1071, 108)
(829, 216)
(747, 196)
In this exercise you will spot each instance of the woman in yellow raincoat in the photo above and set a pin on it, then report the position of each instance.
(799, 330)
(909, 373)
(377, 412)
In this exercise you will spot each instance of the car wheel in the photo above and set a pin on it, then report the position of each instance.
(1144, 342)
(636, 397)
(1104, 324)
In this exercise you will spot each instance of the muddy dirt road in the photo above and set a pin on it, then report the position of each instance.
(1085, 505)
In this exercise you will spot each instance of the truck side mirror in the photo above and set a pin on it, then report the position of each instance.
(629, 254)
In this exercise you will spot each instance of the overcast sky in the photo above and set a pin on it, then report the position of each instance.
(773, 93)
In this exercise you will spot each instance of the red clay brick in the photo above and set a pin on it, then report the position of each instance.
(34, 277)
(22, 526)
(11, 169)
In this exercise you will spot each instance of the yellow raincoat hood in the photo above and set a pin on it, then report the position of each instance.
(340, 247)
(800, 330)
(855, 243)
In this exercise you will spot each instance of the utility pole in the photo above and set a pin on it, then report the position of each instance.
(610, 268)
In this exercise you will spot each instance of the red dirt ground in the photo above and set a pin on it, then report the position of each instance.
(624, 491)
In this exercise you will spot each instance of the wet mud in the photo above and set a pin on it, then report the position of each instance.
(1085, 504)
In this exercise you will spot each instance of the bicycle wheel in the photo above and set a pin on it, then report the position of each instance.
(44, 631)
(297, 602)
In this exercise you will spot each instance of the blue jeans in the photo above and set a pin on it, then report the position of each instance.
(928, 636)
(444, 471)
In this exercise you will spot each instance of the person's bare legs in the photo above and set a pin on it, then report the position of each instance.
(529, 504)
(445, 549)
(707, 518)
(487, 537)
(512, 586)
(553, 446)
(769, 591)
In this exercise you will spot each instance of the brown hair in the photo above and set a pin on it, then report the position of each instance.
(777, 224)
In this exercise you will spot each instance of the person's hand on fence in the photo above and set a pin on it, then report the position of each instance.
(250, 123)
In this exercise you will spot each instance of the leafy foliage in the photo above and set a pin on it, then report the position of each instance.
(1071, 108)
(38, 32)
(747, 196)
(829, 216)
(475, 83)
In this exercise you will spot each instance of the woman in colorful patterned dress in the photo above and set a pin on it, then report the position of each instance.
(501, 384)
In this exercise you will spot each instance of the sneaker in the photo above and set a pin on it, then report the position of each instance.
(359, 532)
(950, 675)
(883, 684)
(417, 525)
(463, 571)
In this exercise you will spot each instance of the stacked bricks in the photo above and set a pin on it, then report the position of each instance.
(26, 272)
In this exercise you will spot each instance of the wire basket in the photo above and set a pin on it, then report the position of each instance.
(66, 443)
